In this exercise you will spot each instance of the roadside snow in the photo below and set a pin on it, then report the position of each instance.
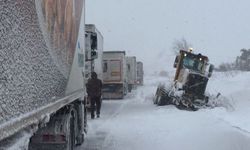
(235, 86)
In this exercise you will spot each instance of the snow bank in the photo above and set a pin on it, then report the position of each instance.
(234, 86)
(148, 127)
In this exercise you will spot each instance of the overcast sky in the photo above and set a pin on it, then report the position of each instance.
(148, 28)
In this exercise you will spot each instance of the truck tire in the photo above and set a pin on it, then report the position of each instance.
(71, 134)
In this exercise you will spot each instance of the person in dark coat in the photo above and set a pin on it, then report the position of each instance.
(94, 90)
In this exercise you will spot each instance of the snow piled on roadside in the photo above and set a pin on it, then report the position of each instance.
(234, 86)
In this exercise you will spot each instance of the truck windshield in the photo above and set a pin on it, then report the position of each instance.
(193, 63)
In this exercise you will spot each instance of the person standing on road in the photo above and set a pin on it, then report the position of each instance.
(94, 90)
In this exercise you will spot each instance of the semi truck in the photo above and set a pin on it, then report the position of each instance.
(114, 75)
(42, 72)
(93, 50)
(131, 72)
(93, 54)
(140, 73)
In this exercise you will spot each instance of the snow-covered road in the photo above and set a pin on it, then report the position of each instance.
(136, 124)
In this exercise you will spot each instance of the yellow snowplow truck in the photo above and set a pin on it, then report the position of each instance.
(188, 88)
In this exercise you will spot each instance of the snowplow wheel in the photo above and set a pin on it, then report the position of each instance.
(155, 100)
(165, 99)
(160, 101)
(162, 97)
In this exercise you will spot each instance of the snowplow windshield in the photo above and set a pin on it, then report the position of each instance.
(193, 63)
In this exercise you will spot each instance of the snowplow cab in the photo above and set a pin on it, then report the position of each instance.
(191, 78)
(193, 62)
(191, 73)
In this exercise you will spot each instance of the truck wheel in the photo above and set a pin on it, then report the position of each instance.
(71, 134)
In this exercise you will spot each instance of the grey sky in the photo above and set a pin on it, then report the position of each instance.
(148, 28)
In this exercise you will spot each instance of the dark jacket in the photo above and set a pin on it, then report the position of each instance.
(94, 87)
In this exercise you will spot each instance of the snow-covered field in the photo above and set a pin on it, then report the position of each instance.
(135, 123)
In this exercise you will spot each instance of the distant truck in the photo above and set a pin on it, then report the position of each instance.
(42, 72)
(114, 75)
(140, 73)
(131, 72)
(93, 50)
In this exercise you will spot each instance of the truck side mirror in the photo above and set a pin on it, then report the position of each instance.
(93, 42)
(210, 70)
(176, 61)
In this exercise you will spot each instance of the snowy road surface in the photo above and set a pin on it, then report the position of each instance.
(136, 124)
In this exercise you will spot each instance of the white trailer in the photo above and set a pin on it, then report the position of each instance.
(94, 50)
(140, 73)
(131, 72)
(42, 67)
(114, 75)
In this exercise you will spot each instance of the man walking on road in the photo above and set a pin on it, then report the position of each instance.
(94, 90)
